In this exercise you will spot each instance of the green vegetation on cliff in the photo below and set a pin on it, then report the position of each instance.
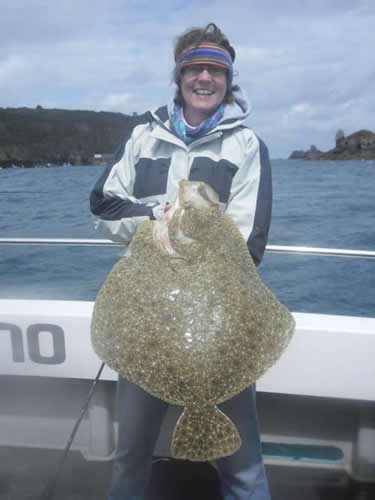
(32, 137)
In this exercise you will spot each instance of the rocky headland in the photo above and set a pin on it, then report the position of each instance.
(357, 146)
(44, 137)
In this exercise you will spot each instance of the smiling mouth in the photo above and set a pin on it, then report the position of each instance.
(203, 92)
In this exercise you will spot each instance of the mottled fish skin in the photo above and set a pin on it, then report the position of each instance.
(194, 327)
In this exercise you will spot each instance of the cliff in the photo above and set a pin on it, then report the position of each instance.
(357, 146)
(312, 154)
(32, 137)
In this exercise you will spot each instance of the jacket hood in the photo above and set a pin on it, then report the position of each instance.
(240, 109)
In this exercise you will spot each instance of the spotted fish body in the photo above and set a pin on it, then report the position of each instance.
(187, 318)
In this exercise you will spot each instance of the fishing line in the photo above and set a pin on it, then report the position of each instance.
(50, 489)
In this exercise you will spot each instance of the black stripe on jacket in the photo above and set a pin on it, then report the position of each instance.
(257, 240)
(113, 207)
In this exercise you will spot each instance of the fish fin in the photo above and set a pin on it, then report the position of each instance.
(161, 237)
(203, 434)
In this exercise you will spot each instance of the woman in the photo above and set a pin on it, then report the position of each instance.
(199, 136)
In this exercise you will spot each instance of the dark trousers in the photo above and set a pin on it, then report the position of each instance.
(242, 475)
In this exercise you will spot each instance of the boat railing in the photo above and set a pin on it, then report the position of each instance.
(280, 249)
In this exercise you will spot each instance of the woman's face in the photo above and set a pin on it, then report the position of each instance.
(203, 88)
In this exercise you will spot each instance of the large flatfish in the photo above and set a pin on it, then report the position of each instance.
(187, 318)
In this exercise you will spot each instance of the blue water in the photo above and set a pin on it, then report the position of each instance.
(318, 204)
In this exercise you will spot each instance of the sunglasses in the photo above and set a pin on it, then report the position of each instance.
(196, 69)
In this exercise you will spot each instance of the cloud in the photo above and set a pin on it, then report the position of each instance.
(306, 66)
(10, 68)
(117, 101)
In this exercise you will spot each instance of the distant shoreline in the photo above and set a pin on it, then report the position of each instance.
(56, 137)
(42, 138)
(357, 146)
(67, 165)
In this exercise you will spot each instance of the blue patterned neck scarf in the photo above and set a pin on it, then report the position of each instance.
(187, 133)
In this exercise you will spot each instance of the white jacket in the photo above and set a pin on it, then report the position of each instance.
(152, 160)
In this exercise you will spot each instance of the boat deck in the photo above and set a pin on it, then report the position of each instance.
(25, 472)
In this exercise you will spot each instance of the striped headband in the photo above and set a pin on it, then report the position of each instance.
(205, 53)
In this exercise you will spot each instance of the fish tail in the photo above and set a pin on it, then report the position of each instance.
(203, 434)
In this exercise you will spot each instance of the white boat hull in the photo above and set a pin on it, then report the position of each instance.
(321, 393)
(329, 356)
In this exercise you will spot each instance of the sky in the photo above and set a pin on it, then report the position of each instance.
(307, 66)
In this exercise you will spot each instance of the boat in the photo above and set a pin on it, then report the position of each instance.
(316, 405)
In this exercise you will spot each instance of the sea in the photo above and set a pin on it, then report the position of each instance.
(315, 204)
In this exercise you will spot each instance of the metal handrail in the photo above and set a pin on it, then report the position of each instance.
(327, 252)
(75, 242)
(81, 242)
